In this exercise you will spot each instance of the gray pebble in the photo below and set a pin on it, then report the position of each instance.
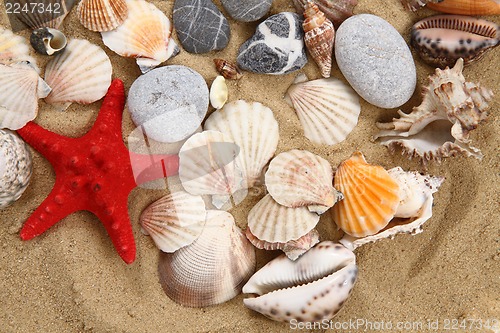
(168, 102)
(376, 60)
(277, 47)
(247, 10)
(200, 26)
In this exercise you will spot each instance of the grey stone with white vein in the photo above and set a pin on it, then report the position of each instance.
(277, 47)
(200, 26)
(247, 10)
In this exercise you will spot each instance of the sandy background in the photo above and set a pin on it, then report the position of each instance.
(71, 279)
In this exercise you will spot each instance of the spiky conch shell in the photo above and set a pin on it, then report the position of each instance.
(102, 15)
(14, 48)
(211, 270)
(80, 74)
(51, 15)
(146, 35)
(440, 126)
(336, 11)
(371, 197)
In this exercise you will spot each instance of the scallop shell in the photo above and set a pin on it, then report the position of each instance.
(441, 40)
(102, 15)
(254, 129)
(15, 167)
(175, 220)
(440, 126)
(300, 178)
(144, 35)
(218, 92)
(371, 197)
(52, 15)
(466, 7)
(14, 48)
(227, 69)
(81, 74)
(414, 209)
(271, 222)
(319, 37)
(312, 289)
(21, 89)
(336, 11)
(328, 109)
(48, 41)
(213, 268)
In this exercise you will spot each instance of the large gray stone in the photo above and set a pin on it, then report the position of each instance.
(376, 60)
(247, 10)
(277, 47)
(200, 26)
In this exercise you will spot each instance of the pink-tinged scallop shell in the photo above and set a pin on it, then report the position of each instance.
(102, 15)
(441, 40)
(336, 11)
(14, 48)
(440, 126)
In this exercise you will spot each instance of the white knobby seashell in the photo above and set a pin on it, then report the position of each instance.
(80, 74)
(144, 35)
(253, 128)
(102, 15)
(311, 289)
(300, 178)
(175, 220)
(14, 48)
(213, 268)
(218, 92)
(328, 109)
(21, 89)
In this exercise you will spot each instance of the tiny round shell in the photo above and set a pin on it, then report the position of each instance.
(102, 15)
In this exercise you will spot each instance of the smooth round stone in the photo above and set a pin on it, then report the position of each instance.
(376, 60)
(200, 26)
(168, 102)
(247, 10)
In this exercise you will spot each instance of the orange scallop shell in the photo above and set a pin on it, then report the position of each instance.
(102, 15)
(467, 7)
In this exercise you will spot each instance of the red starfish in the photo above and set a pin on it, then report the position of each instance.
(93, 173)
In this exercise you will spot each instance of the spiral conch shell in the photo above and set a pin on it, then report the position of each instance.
(440, 126)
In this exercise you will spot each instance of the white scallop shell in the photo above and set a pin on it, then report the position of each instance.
(213, 268)
(144, 35)
(21, 89)
(81, 74)
(300, 178)
(102, 15)
(14, 48)
(328, 109)
(47, 14)
(253, 128)
(175, 220)
(218, 92)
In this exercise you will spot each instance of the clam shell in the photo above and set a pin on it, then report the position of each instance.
(15, 167)
(271, 222)
(218, 92)
(300, 178)
(466, 7)
(52, 15)
(311, 289)
(227, 69)
(336, 11)
(81, 74)
(328, 109)
(213, 268)
(48, 41)
(144, 35)
(102, 15)
(254, 129)
(371, 197)
(175, 220)
(14, 48)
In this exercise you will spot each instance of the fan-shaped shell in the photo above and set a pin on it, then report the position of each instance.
(144, 35)
(328, 109)
(211, 270)
(14, 48)
(102, 15)
(253, 128)
(48, 13)
(81, 74)
(174, 220)
(300, 178)
(371, 197)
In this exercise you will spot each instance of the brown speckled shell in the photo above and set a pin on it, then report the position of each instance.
(336, 11)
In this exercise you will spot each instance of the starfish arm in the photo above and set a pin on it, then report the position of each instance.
(109, 118)
(45, 142)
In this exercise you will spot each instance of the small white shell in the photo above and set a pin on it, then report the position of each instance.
(218, 92)
(81, 74)
(14, 48)
(102, 15)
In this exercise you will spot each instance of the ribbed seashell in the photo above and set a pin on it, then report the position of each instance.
(466, 7)
(336, 11)
(371, 197)
(14, 48)
(300, 178)
(227, 69)
(293, 249)
(218, 92)
(213, 268)
(441, 40)
(102, 15)
(311, 289)
(47, 13)
(414, 209)
(440, 126)
(144, 35)
(252, 126)
(175, 220)
(328, 109)
(271, 222)
(21, 89)
(81, 74)
(15, 167)
(48, 41)
(319, 37)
